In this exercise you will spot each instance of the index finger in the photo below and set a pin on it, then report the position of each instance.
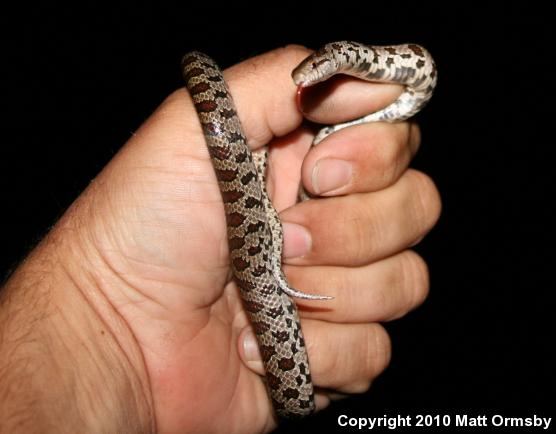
(265, 95)
(342, 98)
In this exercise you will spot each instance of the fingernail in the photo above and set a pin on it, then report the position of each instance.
(297, 240)
(330, 174)
(250, 347)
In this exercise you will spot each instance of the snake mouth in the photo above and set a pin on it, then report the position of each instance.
(300, 78)
(310, 73)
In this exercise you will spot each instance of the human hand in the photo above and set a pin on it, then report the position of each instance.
(143, 252)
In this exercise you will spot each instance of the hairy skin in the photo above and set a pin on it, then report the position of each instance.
(124, 318)
(62, 364)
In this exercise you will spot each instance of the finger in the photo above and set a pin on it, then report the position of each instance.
(343, 98)
(362, 158)
(372, 225)
(382, 291)
(266, 101)
(344, 357)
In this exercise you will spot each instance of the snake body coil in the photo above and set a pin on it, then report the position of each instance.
(254, 230)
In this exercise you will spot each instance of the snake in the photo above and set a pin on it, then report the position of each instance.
(254, 230)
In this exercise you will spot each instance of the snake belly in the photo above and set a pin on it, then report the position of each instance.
(254, 229)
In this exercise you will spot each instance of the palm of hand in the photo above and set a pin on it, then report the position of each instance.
(177, 295)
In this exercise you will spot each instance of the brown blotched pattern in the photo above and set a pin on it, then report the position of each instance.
(246, 203)
(254, 229)
(408, 64)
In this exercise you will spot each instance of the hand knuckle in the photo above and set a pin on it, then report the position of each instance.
(426, 200)
(415, 279)
(290, 53)
(359, 386)
(377, 351)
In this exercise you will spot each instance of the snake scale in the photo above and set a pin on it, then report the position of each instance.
(254, 229)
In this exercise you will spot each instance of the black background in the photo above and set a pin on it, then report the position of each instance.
(80, 81)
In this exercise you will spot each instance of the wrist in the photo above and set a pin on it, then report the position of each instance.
(68, 361)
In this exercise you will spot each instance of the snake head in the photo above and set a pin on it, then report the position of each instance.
(315, 68)
(332, 58)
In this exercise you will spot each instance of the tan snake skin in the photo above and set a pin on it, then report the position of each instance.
(254, 230)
